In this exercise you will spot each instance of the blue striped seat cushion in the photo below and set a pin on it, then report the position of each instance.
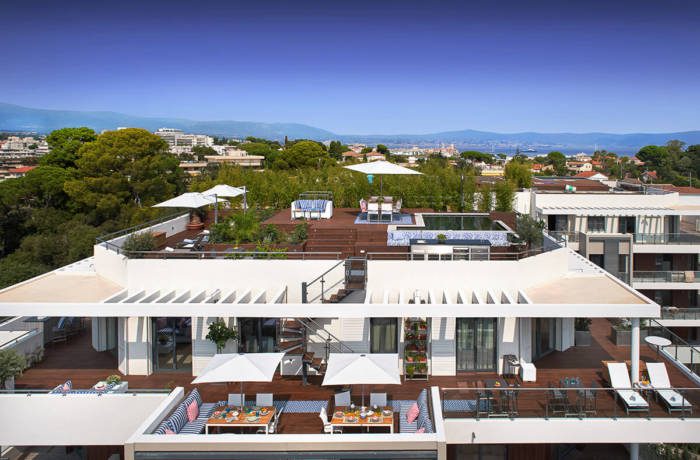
(197, 425)
(179, 418)
(423, 419)
(404, 426)
(311, 205)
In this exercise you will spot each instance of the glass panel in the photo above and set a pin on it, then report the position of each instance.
(383, 335)
(476, 344)
(465, 344)
(257, 335)
(172, 343)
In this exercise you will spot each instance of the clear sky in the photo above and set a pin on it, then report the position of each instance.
(364, 66)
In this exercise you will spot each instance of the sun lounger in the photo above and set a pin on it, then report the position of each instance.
(658, 377)
(620, 381)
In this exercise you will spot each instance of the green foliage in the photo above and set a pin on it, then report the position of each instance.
(673, 162)
(299, 234)
(264, 149)
(484, 199)
(518, 173)
(478, 157)
(12, 364)
(220, 333)
(113, 379)
(441, 237)
(383, 149)
(139, 242)
(366, 150)
(65, 145)
(123, 167)
(270, 234)
(336, 150)
(582, 324)
(201, 151)
(307, 154)
(505, 195)
(530, 230)
(558, 161)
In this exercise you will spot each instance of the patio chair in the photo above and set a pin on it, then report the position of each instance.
(372, 210)
(342, 399)
(377, 399)
(272, 427)
(587, 400)
(263, 399)
(557, 401)
(620, 381)
(234, 399)
(327, 427)
(396, 208)
(658, 377)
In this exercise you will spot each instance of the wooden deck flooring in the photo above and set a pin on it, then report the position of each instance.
(76, 360)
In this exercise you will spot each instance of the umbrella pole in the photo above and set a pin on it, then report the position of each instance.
(242, 402)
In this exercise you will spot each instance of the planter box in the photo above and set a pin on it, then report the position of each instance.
(583, 338)
(623, 337)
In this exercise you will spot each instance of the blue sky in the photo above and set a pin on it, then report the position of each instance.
(364, 67)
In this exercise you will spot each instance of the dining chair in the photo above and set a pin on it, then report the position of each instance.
(234, 399)
(342, 399)
(377, 399)
(263, 399)
(327, 427)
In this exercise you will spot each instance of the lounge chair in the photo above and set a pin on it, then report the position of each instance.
(661, 384)
(620, 381)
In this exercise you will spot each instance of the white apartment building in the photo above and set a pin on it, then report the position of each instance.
(181, 142)
(479, 345)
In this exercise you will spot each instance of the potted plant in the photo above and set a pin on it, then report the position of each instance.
(220, 333)
(582, 332)
(621, 333)
(113, 379)
(441, 238)
(12, 364)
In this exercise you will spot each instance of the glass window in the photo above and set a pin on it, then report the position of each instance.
(596, 223)
(384, 335)
(597, 259)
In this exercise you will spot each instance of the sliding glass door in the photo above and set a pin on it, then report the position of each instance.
(476, 344)
(172, 344)
(257, 335)
(544, 333)
(383, 335)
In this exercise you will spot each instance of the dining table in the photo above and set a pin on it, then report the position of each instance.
(346, 417)
(232, 417)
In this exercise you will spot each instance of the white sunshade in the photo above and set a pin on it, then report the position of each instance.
(362, 368)
(190, 200)
(224, 190)
(240, 367)
(381, 168)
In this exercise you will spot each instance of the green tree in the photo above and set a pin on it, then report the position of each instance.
(505, 195)
(201, 151)
(306, 154)
(383, 149)
(518, 173)
(478, 157)
(530, 231)
(65, 144)
(124, 168)
(366, 150)
(558, 162)
(336, 150)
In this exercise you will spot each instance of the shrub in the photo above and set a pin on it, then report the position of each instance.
(12, 364)
(300, 233)
(270, 234)
(245, 227)
(220, 333)
(137, 242)
(583, 324)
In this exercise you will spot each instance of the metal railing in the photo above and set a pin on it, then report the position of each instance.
(266, 255)
(667, 238)
(680, 313)
(680, 350)
(453, 256)
(566, 402)
(571, 237)
(339, 346)
(104, 239)
(321, 280)
(676, 276)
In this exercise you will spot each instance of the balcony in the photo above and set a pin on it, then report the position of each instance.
(676, 276)
(667, 238)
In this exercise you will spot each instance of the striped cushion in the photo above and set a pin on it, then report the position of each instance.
(161, 428)
(424, 420)
(194, 427)
(404, 426)
(179, 418)
(311, 205)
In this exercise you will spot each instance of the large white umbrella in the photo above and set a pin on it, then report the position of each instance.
(226, 191)
(240, 367)
(362, 369)
(191, 200)
(381, 168)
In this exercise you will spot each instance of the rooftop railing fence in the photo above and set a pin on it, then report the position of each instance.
(680, 313)
(564, 402)
(676, 276)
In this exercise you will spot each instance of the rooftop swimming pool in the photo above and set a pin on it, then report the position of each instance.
(460, 222)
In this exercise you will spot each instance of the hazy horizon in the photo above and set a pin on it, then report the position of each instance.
(364, 67)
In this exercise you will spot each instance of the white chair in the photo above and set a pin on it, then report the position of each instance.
(342, 399)
(372, 210)
(263, 399)
(658, 377)
(272, 426)
(528, 372)
(377, 399)
(327, 427)
(620, 381)
(234, 399)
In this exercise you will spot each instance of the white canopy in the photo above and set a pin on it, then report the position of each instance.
(362, 368)
(224, 190)
(190, 200)
(240, 367)
(381, 168)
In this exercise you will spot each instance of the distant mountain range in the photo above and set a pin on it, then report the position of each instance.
(18, 118)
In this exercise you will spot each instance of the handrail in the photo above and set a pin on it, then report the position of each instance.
(305, 284)
(329, 344)
(303, 255)
(667, 276)
(110, 236)
(667, 238)
(452, 257)
(680, 313)
(27, 334)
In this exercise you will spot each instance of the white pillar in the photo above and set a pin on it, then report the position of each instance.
(634, 371)
(634, 451)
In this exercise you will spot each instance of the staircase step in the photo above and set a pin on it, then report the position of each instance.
(289, 335)
(291, 345)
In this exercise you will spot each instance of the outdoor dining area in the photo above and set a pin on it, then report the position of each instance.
(344, 412)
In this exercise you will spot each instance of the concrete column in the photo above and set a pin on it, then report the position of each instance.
(634, 371)
(634, 451)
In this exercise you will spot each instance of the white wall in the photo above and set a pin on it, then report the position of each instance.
(443, 346)
(137, 332)
(615, 200)
(202, 348)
